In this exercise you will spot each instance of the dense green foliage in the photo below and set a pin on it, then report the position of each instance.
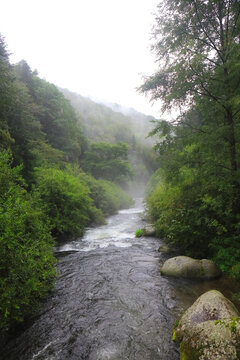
(107, 196)
(194, 198)
(66, 201)
(73, 199)
(108, 162)
(56, 118)
(139, 233)
(26, 263)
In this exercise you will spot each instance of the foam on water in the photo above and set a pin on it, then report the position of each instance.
(131, 211)
(118, 232)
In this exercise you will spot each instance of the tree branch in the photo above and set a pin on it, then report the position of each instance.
(206, 34)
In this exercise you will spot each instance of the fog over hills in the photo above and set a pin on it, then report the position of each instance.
(106, 121)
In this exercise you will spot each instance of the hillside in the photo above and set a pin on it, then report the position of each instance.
(112, 122)
(108, 124)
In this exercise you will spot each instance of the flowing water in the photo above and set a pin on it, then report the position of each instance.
(110, 301)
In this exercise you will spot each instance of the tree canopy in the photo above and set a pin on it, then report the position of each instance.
(108, 162)
(196, 44)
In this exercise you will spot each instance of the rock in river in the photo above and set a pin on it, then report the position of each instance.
(186, 267)
(209, 329)
(149, 230)
(164, 248)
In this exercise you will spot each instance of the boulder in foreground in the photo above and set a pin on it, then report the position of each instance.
(186, 267)
(209, 329)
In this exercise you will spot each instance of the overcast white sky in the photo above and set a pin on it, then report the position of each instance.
(93, 47)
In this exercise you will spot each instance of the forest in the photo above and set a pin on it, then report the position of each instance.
(194, 196)
(55, 180)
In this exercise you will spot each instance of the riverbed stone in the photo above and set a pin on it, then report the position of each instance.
(209, 329)
(149, 230)
(187, 267)
(164, 248)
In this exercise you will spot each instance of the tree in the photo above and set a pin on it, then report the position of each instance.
(57, 118)
(197, 45)
(27, 269)
(195, 201)
(19, 127)
(5, 97)
(108, 162)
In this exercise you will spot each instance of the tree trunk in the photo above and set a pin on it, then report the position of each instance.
(232, 142)
(234, 164)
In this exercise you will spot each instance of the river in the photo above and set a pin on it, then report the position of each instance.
(110, 301)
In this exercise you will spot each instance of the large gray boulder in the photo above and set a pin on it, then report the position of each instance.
(209, 329)
(186, 267)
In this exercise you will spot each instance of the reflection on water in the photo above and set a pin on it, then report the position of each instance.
(110, 301)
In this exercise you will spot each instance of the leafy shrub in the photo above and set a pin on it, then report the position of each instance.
(139, 233)
(111, 198)
(227, 254)
(183, 219)
(26, 264)
(67, 202)
(189, 217)
(107, 196)
(235, 271)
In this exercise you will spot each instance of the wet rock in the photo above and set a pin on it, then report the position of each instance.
(149, 230)
(212, 305)
(209, 329)
(186, 267)
(164, 248)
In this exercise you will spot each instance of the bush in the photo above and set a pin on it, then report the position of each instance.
(198, 223)
(67, 202)
(227, 255)
(27, 269)
(139, 233)
(111, 198)
(107, 196)
(182, 220)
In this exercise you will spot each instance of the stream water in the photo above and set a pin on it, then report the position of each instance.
(110, 301)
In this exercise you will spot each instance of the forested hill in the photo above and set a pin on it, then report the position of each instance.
(112, 122)
(102, 125)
